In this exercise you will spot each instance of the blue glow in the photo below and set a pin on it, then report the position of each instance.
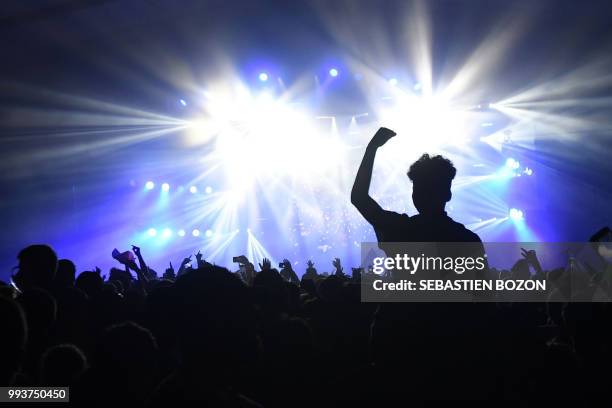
(152, 232)
(393, 81)
(208, 189)
(165, 187)
(166, 233)
(333, 72)
(209, 233)
(183, 102)
(181, 233)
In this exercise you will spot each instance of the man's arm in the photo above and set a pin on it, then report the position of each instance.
(360, 196)
(143, 266)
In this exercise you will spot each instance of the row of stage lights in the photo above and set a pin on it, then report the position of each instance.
(165, 187)
(168, 232)
(512, 164)
(334, 72)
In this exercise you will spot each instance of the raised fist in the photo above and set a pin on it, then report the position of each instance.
(382, 136)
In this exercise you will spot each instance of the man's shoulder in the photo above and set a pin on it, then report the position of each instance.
(392, 216)
(462, 232)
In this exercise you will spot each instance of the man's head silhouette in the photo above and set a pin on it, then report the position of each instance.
(431, 183)
(37, 267)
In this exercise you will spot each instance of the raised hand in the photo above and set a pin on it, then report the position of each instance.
(186, 261)
(532, 258)
(310, 264)
(338, 265)
(199, 260)
(136, 250)
(382, 136)
(265, 264)
(529, 255)
(241, 259)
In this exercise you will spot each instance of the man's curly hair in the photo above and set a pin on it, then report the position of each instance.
(432, 170)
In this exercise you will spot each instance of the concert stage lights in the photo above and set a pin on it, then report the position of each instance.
(515, 214)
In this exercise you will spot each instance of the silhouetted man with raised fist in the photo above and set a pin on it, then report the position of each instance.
(416, 342)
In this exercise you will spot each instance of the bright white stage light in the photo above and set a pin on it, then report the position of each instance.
(183, 102)
(512, 164)
(424, 123)
(393, 81)
(165, 187)
(528, 171)
(149, 185)
(208, 190)
(152, 232)
(333, 72)
(166, 233)
(515, 214)
(181, 233)
(209, 233)
(195, 232)
(193, 189)
(263, 77)
(260, 126)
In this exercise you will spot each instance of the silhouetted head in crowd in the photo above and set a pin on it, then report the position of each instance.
(62, 365)
(66, 273)
(431, 183)
(126, 358)
(37, 267)
(91, 283)
(12, 340)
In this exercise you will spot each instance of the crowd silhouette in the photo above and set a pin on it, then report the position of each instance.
(260, 336)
